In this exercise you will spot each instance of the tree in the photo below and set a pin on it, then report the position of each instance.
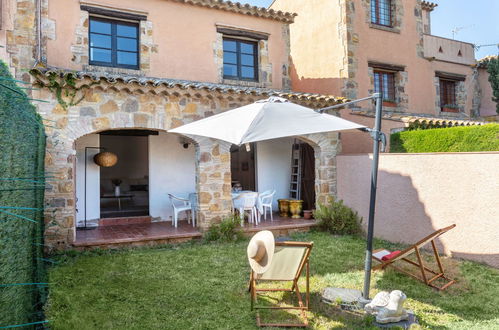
(493, 70)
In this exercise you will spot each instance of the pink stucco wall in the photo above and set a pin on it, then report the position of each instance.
(487, 106)
(419, 193)
(185, 35)
(320, 56)
(401, 49)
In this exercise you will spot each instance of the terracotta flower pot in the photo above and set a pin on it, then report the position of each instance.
(295, 208)
(283, 207)
(447, 109)
(307, 214)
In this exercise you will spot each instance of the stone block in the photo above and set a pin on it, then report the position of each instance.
(108, 107)
(87, 112)
(100, 123)
(140, 119)
(131, 105)
(204, 197)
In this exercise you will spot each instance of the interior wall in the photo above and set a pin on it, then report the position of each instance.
(274, 167)
(242, 167)
(93, 179)
(172, 171)
(132, 166)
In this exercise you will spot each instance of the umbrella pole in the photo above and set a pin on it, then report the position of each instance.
(376, 135)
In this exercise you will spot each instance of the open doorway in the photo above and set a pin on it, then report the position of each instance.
(242, 166)
(307, 176)
(124, 187)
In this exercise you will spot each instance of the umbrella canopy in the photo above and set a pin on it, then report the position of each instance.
(264, 120)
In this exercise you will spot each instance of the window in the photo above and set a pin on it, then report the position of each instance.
(384, 83)
(447, 95)
(114, 43)
(381, 12)
(240, 59)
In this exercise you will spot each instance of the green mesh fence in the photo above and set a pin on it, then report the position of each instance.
(22, 153)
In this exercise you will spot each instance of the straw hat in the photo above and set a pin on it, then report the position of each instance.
(260, 251)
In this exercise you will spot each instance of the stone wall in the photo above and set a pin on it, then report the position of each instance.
(119, 105)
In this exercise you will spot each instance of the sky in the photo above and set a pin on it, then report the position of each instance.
(477, 21)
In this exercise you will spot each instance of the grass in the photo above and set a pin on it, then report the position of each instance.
(204, 286)
(452, 139)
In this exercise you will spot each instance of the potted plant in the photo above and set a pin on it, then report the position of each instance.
(307, 214)
(450, 108)
(389, 103)
(295, 208)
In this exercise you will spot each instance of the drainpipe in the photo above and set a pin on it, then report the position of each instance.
(38, 32)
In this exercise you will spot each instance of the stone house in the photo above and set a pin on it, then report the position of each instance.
(363, 46)
(119, 74)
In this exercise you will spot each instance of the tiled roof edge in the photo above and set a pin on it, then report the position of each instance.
(245, 9)
(483, 62)
(410, 118)
(187, 84)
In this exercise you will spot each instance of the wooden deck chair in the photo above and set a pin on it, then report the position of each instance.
(289, 261)
(387, 259)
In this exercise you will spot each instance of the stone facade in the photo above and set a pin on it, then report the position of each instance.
(131, 105)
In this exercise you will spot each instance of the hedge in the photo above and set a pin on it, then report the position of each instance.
(22, 148)
(452, 139)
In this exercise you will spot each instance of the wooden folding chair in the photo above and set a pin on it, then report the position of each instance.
(289, 260)
(392, 257)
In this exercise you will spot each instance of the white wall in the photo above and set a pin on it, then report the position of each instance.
(93, 179)
(172, 170)
(273, 160)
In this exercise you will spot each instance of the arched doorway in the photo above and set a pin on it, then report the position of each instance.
(151, 164)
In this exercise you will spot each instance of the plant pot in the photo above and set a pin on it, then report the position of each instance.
(389, 104)
(445, 109)
(307, 214)
(283, 207)
(295, 208)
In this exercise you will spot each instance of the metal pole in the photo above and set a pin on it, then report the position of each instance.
(85, 189)
(372, 203)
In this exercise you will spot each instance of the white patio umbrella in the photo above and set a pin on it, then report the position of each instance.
(277, 117)
(267, 119)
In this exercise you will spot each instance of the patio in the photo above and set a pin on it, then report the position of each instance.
(152, 233)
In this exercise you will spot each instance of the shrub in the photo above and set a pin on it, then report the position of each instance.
(452, 139)
(228, 230)
(337, 218)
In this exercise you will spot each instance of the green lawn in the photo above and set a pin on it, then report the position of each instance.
(204, 286)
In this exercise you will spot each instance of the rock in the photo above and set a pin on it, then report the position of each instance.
(341, 295)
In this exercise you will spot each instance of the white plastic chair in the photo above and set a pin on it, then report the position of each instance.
(246, 202)
(181, 205)
(266, 199)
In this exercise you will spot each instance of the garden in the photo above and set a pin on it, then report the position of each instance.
(204, 285)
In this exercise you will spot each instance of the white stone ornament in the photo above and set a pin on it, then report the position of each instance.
(379, 301)
(388, 307)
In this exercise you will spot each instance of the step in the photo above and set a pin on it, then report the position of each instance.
(124, 221)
